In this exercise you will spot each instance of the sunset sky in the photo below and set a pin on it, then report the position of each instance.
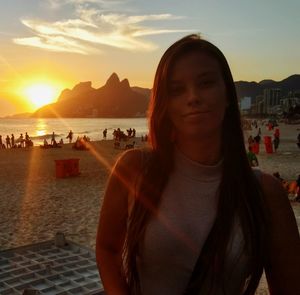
(49, 45)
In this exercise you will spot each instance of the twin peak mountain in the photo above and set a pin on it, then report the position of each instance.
(116, 99)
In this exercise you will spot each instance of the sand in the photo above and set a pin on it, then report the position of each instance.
(35, 204)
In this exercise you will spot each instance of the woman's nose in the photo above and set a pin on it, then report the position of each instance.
(193, 96)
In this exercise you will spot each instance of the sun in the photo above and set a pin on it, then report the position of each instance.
(40, 94)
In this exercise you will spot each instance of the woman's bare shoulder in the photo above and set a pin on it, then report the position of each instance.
(278, 204)
(131, 162)
(273, 189)
(282, 259)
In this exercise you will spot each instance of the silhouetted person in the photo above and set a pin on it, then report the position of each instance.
(70, 136)
(259, 131)
(276, 139)
(105, 133)
(21, 139)
(12, 140)
(53, 138)
(8, 142)
(27, 140)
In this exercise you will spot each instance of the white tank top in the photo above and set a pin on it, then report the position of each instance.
(174, 239)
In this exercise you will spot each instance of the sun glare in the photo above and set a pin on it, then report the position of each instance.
(40, 94)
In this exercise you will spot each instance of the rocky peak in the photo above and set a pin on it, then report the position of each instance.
(125, 83)
(113, 80)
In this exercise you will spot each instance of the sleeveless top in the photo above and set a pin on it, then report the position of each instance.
(175, 237)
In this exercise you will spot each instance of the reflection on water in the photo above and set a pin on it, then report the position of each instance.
(40, 127)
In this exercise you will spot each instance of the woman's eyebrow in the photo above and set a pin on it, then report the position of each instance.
(200, 75)
(207, 73)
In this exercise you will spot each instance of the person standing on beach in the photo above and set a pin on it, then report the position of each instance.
(21, 140)
(188, 215)
(104, 133)
(8, 145)
(53, 138)
(276, 139)
(70, 136)
(12, 140)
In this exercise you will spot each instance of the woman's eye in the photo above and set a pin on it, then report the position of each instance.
(176, 90)
(207, 82)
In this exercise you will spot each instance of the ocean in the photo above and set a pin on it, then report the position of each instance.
(40, 129)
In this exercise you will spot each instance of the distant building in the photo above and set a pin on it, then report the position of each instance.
(258, 105)
(289, 102)
(272, 98)
(245, 105)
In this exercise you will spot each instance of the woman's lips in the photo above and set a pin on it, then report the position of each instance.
(195, 113)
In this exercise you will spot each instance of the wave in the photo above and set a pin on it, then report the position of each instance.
(84, 132)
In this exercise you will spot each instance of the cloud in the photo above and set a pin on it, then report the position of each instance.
(92, 28)
(55, 43)
(59, 3)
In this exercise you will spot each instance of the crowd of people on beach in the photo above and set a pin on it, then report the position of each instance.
(53, 143)
(10, 142)
(292, 187)
(119, 135)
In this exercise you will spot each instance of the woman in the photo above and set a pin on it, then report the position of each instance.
(188, 216)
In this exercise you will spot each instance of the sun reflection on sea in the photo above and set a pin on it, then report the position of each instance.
(40, 127)
(40, 132)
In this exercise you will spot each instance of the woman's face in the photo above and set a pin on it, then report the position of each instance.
(196, 96)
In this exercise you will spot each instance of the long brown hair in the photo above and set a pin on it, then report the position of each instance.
(240, 192)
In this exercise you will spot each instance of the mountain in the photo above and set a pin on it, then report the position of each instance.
(116, 99)
(19, 116)
(243, 88)
(145, 91)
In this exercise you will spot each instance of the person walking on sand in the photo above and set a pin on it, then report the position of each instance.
(188, 215)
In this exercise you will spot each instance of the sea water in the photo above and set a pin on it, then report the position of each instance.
(42, 128)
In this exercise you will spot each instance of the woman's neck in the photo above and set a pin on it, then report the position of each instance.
(206, 152)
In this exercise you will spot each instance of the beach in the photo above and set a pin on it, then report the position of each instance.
(35, 204)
